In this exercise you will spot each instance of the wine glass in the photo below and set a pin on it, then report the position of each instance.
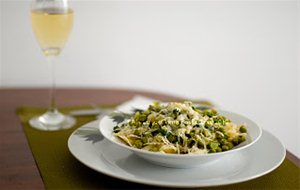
(52, 22)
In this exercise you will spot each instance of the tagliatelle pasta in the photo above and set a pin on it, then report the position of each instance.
(180, 128)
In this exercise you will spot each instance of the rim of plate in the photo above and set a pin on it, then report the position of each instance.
(167, 184)
(186, 155)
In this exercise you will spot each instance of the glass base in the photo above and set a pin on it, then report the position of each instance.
(52, 121)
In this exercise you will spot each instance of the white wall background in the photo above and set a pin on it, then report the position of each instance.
(241, 55)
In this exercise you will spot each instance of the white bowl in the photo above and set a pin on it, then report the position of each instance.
(185, 160)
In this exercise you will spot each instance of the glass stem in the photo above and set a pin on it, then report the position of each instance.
(52, 107)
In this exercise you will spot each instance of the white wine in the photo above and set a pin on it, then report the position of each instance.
(52, 28)
(52, 22)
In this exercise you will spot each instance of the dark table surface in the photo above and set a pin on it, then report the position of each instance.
(17, 166)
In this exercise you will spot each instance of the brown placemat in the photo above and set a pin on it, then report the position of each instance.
(60, 170)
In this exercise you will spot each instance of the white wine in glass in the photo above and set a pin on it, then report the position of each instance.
(52, 22)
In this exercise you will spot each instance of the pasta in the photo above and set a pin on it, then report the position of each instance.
(180, 128)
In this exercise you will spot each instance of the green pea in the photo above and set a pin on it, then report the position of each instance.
(147, 112)
(156, 104)
(209, 123)
(225, 147)
(227, 120)
(138, 132)
(137, 116)
(138, 144)
(155, 126)
(176, 122)
(236, 140)
(138, 124)
(242, 139)
(214, 145)
(212, 151)
(151, 108)
(172, 138)
(223, 141)
(210, 112)
(230, 145)
(243, 129)
(192, 134)
(219, 149)
(143, 117)
(131, 123)
(206, 133)
(219, 119)
(144, 139)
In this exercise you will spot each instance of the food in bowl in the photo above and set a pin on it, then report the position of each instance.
(180, 128)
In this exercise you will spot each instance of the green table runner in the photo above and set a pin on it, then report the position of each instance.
(60, 170)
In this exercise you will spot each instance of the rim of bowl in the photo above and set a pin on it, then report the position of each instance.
(185, 155)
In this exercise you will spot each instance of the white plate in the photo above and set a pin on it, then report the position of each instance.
(90, 148)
